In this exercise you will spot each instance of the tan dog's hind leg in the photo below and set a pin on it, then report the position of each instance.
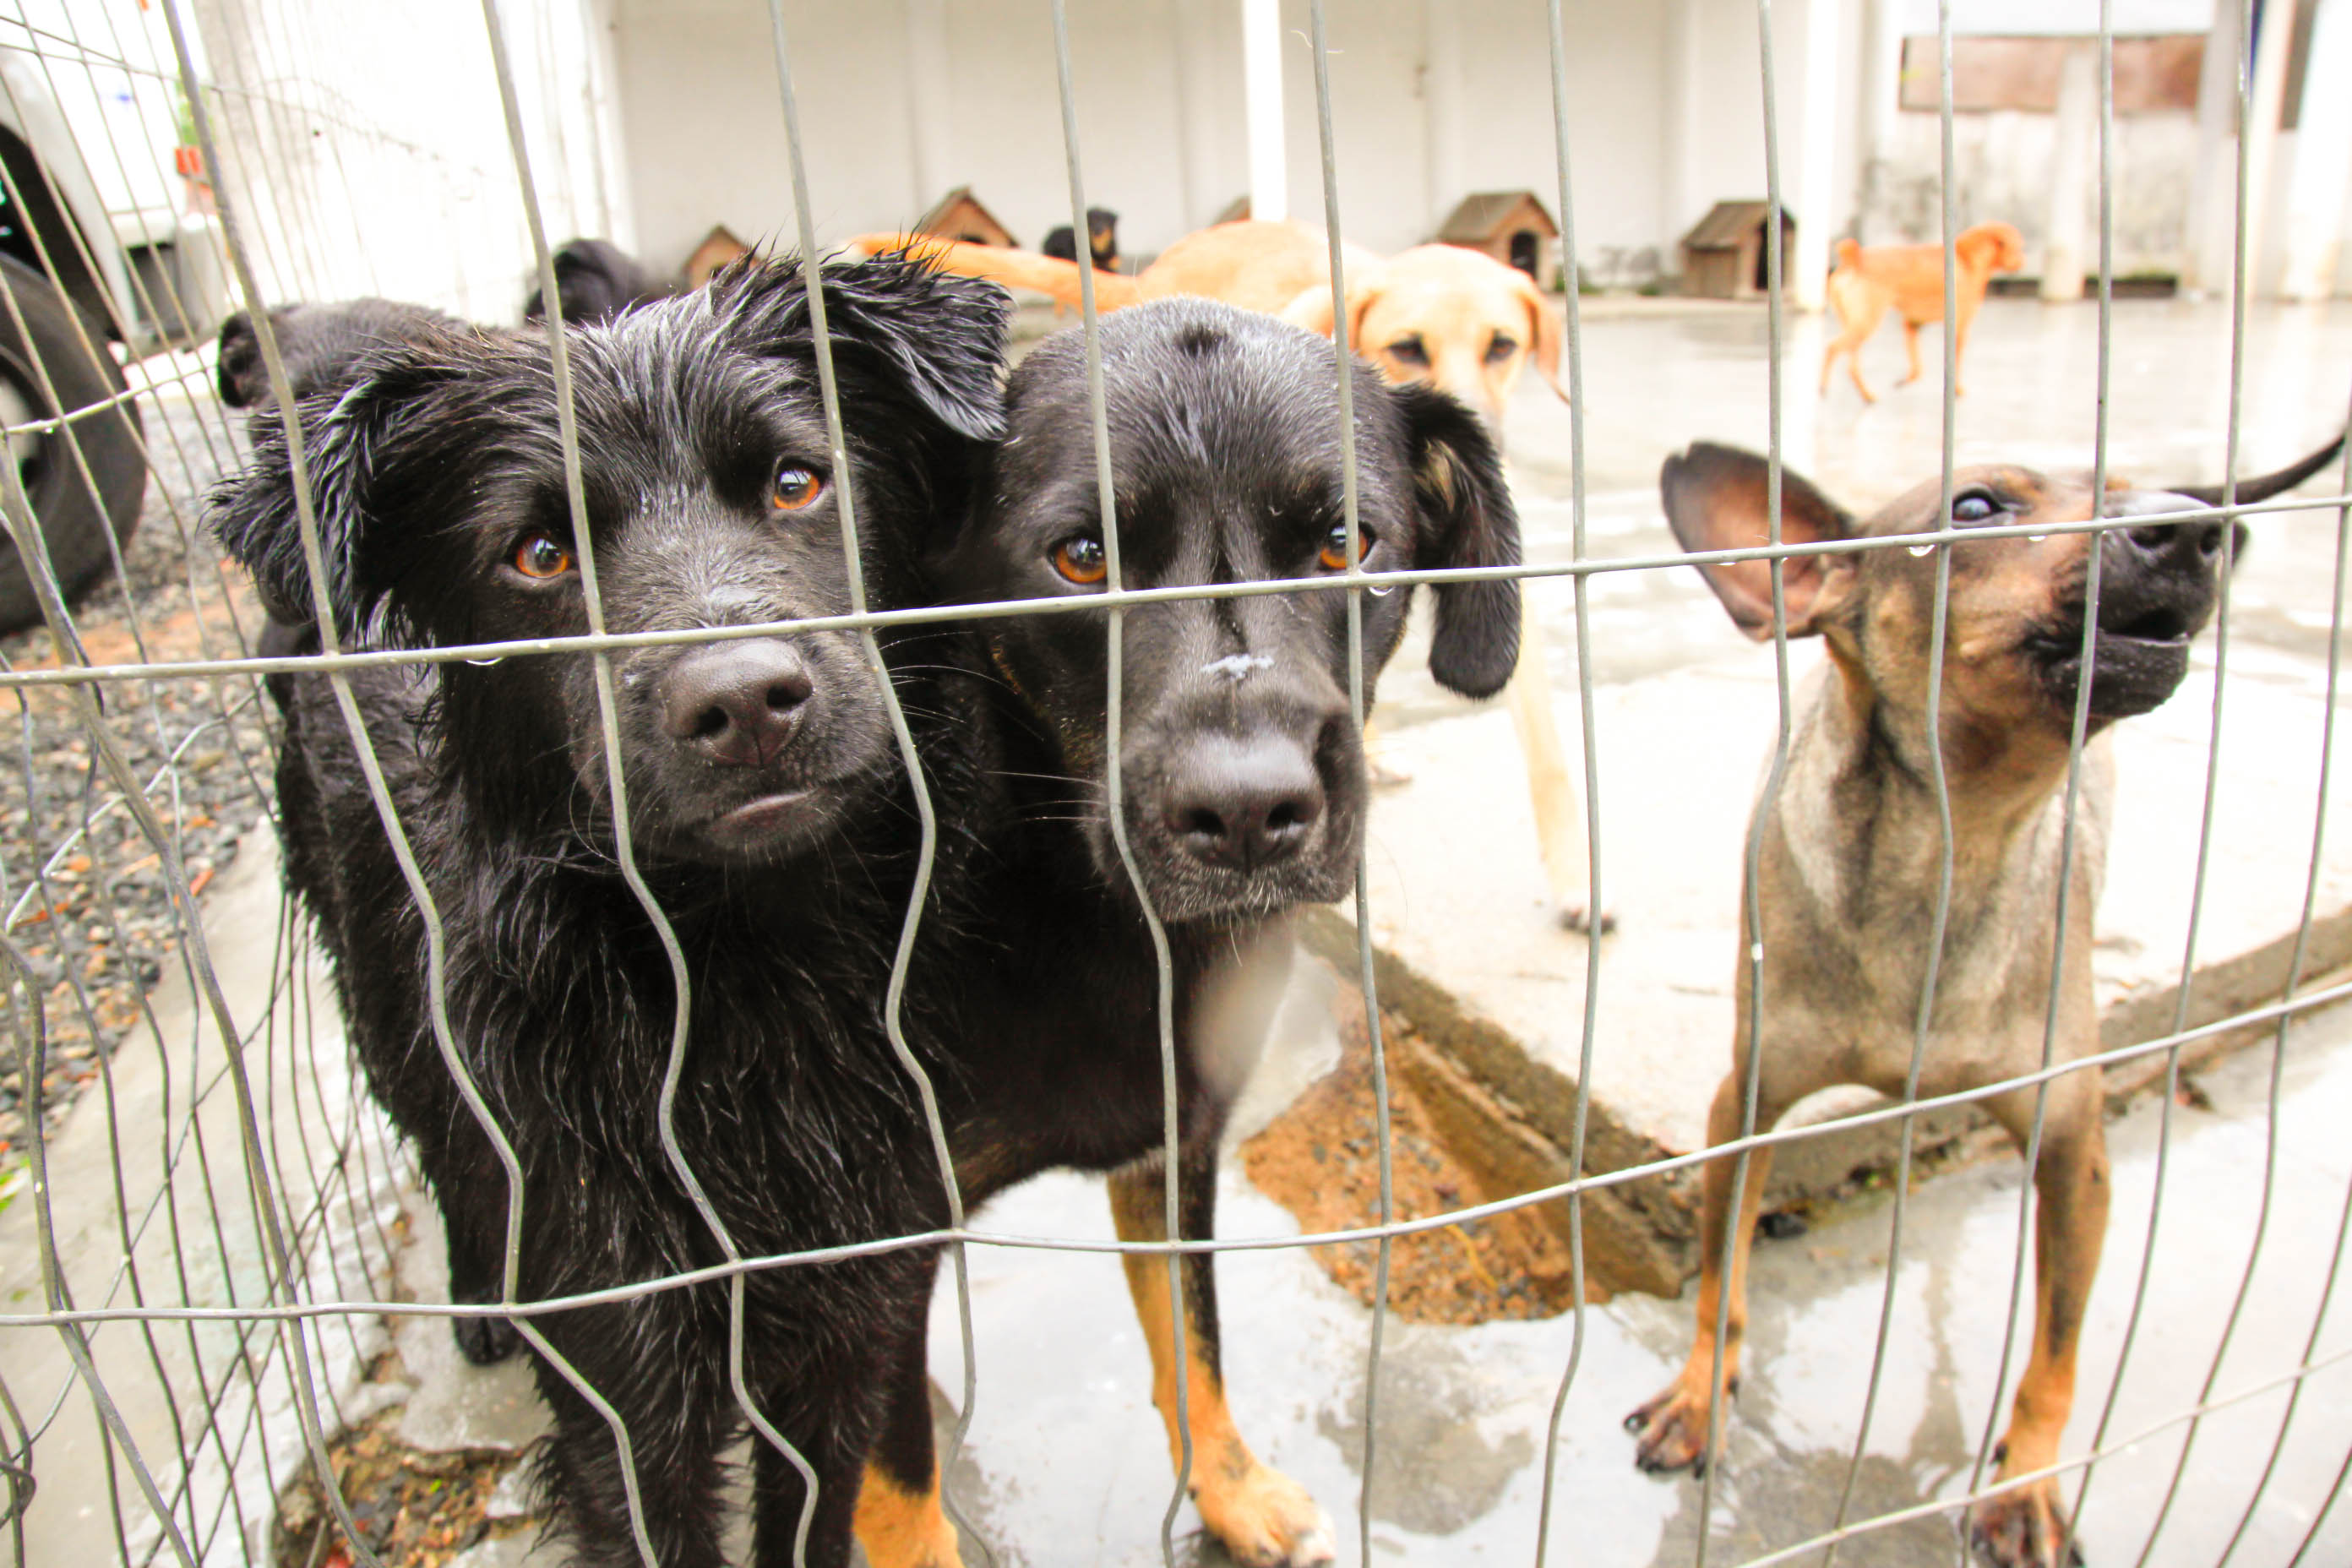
(1967, 318)
(903, 1529)
(1265, 1519)
(2025, 1528)
(1551, 787)
(1673, 1427)
(1911, 347)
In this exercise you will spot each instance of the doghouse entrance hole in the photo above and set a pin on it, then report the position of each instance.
(1523, 245)
(1320, 1160)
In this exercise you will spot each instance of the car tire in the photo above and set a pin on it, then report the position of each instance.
(75, 523)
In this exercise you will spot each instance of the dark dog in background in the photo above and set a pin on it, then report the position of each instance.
(1853, 842)
(318, 344)
(1102, 240)
(753, 770)
(1243, 787)
(596, 281)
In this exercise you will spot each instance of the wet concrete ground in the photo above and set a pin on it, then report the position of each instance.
(1066, 1463)
(1657, 379)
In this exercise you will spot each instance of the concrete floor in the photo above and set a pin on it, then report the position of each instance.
(1066, 1463)
(1655, 382)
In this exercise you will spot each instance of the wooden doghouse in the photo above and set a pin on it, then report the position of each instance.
(960, 216)
(1513, 227)
(1723, 256)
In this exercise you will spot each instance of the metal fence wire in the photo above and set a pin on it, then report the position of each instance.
(206, 1210)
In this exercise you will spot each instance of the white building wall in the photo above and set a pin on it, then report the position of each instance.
(365, 148)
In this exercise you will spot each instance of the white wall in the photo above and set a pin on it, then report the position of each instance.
(1158, 85)
(365, 149)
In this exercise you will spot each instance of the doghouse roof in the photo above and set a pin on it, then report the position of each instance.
(942, 212)
(1486, 214)
(1729, 223)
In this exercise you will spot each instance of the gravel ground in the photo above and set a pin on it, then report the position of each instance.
(82, 890)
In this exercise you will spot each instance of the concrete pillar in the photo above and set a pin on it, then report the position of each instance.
(1440, 108)
(1813, 194)
(2273, 34)
(1882, 113)
(930, 103)
(1269, 182)
(1678, 133)
(2323, 158)
(2068, 249)
(2212, 199)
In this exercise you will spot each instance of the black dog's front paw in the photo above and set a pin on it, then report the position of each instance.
(484, 1342)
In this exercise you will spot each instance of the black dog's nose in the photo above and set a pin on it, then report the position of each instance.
(2180, 543)
(1241, 804)
(738, 703)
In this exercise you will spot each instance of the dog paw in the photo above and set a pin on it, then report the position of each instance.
(1577, 916)
(1265, 1520)
(2024, 1529)
(1671, 1431)
(484, 1342)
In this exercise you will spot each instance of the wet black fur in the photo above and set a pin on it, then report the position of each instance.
(596, 281)
(792, 1110)
(318, 344)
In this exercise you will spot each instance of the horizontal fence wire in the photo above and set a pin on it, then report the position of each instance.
(250, 1206)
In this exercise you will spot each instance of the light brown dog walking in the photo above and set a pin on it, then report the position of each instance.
(1910, 278)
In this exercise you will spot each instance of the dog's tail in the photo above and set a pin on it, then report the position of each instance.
(1017, 269)
(1848, 254)
(2262, 486)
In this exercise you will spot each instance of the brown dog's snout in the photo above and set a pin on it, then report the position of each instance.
(1242, 804)
(737, 704)
(2177, 544)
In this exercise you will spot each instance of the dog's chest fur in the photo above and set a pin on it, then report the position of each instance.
(1849, 879)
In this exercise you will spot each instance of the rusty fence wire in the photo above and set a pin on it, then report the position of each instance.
(204, 1209)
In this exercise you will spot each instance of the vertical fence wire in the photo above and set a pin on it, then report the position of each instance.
(1115, 791)
(1571, 270)
(1748, 1052)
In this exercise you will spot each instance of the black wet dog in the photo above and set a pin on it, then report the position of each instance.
(596, 281)
(1243, 792)
(318, 344)
(768, 810)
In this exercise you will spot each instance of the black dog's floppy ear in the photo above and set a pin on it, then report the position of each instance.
(345, 439)
(243, 378)
(1716, 500)
(1467, 520)
(937, 337)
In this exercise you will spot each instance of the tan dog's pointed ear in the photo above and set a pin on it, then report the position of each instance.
(1716, 499)
(1546, 335)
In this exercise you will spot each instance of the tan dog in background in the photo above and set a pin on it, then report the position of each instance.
(1437, 314)
(1910, 277)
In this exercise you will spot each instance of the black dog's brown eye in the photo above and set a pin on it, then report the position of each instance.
(1409, 350)
(1974, 506)
(1334, 547)
(796, 488)
(1080, 559)
(1501, 348)
(541, 558)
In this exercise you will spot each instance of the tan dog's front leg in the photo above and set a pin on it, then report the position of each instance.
(1552, 787)
(1967, 318)
(1672, 1425)
(1265, 1519)
(1911, 347)
(2026, 1528)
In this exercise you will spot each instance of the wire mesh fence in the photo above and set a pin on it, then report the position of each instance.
(211, 1209)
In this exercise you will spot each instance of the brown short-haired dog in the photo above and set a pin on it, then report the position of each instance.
(1910, 277)
(1850, 846)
